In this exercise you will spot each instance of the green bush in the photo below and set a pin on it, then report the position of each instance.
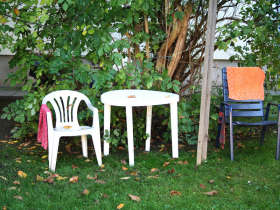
(57, 45)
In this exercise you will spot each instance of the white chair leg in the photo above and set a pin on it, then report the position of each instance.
(84, 145)
(107, 119)
(129, 123)
(54, 153)
(97, 147)
(148, 127)
(50, 146)
(174, 129)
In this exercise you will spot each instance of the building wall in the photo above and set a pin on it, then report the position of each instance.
(216, 74)
(217, 70)
(4, 69)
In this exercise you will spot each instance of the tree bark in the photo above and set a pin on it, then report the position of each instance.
(180, 44)
(147, 41)
(161, 56)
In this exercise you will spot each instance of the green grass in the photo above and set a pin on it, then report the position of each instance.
(252, 181)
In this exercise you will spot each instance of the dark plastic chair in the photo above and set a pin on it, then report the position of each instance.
(247, 109)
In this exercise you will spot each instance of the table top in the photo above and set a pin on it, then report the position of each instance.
(138, 98)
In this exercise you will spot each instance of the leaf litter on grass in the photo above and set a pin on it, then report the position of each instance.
(134, 197)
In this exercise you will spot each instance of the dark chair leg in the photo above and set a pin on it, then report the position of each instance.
(231, 142)
(218, 135)
(278, 144)
(262, 135)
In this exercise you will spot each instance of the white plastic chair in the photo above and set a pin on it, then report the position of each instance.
(65, 104)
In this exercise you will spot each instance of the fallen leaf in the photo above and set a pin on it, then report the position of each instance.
(120, 206)
(74, 166)
(25, 144)
(123, 162)
(32, 148)
(92, 178)
(154, 170)
(85, 192)
(47, 172)
(240, 145)
(59, 178)
(134, 197)
(39, 178)
(211, 181)
(166, 164)
(74, 179)
(18, 160)
(100, 182)
(133, 173)
(3, 141)
(174, 192)
(4, 178)
(22, 174)
(68, 148)
(211, 193)
(16, 182)
(87, 160)
(67, 126)
(180, 162)
(228, 177)
(4, 208)
(125, 178)
(12, 188)
(153, 177)
(13, 142)
(44, 156)
(202, 186)
(171, 171)
(124, 168)
(105, 195)
(162, 147)
(18, 197)
(49, 180)
(121, 148)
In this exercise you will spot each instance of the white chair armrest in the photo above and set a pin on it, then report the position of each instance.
(95, 116)
(49, 121)
(92, 108)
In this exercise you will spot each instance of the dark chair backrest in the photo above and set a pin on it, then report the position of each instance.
(244, 108)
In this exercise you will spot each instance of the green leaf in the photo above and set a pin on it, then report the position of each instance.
(65, 6)
(179, 15)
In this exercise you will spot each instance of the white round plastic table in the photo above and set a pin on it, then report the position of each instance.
(149, 98)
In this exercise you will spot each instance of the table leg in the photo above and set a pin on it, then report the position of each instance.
(107, 119)
(129, 123)
(148, 127)
(174, 129)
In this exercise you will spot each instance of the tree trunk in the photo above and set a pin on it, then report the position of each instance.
(161, 57)
(180, 44)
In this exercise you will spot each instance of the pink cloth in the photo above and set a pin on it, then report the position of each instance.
(42, 135)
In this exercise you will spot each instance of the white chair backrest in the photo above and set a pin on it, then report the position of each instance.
(65, 104)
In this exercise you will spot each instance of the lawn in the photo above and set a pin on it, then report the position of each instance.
(252, 181)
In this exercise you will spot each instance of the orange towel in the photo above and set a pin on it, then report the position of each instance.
(245, 83)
